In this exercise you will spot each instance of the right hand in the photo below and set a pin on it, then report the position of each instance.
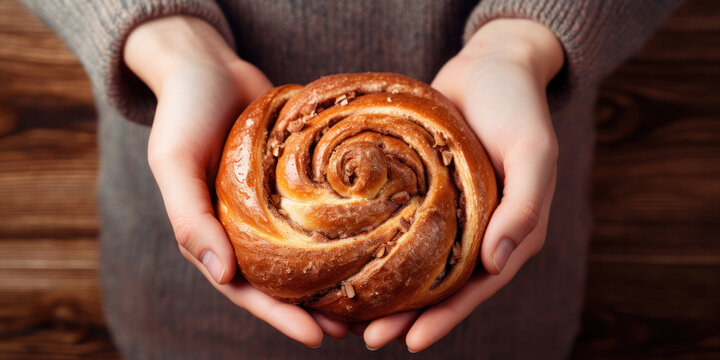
(498, 82)
(201, 87)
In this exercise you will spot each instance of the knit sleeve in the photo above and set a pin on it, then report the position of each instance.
(596, 35)
(96, 31)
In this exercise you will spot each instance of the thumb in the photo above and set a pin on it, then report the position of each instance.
(182, 178)
(528, 186)
(200, 236)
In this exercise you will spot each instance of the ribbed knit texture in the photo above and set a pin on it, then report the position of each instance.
(597, 35)
(96, 31)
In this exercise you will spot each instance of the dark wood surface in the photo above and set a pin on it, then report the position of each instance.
(653, 288)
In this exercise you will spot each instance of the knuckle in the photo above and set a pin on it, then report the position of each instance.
(159, 155)
(155, 158)
(184, 233)
(546, 145)
(551, 148)
(538, 245)
(529, 217)
(186, 254)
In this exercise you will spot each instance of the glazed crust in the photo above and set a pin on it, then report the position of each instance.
(358, 195)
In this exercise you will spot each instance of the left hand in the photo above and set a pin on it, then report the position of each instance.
(498, 82)
(201, 86)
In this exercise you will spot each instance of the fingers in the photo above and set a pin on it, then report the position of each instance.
(203, 241)
(529, 177)
(334, 328)
(182, 178)
(505, 105)
(289, 319)
(381, 331)
(252, 84)
(521, 144)
(439, 320)
(188, 204)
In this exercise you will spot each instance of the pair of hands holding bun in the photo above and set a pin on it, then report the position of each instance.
(498, 82)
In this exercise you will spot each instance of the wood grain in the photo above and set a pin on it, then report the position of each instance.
(50, 305)
(654, 271)
(35, 67)
(653, 284)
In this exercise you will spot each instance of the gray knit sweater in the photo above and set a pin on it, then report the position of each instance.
(596, 35)
(159, 307)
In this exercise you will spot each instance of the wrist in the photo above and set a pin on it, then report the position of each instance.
(520, 42)
(159, 47)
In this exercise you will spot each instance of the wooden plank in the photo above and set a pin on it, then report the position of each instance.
(36, 68)
(60, 341)
(49, 170)
(50, 305)
(659, 311)
(654, 273)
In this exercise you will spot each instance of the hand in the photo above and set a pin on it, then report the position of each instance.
(498, 82)
(201, 87)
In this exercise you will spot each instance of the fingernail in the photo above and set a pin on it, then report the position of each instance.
(411, 351)
(318, 345)
(213, 265)
(502, 254)
(369, 348)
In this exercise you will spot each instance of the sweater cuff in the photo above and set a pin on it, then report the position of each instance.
(96, 31)
(596, 35)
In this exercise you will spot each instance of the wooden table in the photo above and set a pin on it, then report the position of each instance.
(653, 287)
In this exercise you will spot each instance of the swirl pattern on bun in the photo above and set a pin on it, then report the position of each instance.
(358, 195)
